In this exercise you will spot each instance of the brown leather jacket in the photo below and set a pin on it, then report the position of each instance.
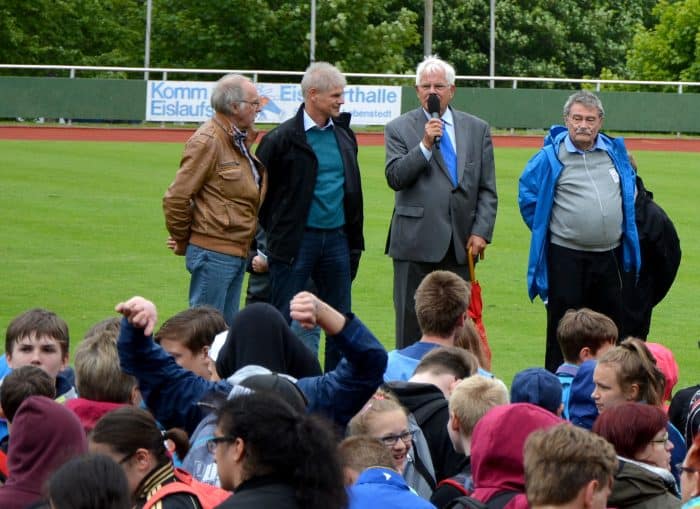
(213, 202)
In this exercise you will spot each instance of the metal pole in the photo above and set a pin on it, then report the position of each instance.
(492, 42)
(428, 29)
(312, 45)
(147, 50)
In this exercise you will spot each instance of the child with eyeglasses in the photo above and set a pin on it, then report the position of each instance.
(385, 419)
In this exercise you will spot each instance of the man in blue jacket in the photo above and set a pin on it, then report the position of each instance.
(577, 197)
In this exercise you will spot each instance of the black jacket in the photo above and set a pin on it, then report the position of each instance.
(262, 492)
(661, 255)
(292, 167)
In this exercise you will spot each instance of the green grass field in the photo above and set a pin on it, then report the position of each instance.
(82, 228)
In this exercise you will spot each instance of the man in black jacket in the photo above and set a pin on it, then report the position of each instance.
(313, 215)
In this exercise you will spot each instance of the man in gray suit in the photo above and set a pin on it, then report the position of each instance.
(442, 169)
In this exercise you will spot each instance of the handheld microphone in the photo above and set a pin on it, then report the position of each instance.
(434, 111)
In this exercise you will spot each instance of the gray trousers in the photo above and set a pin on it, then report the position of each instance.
(407, 277)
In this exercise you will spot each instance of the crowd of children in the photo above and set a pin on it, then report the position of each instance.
(174, 418)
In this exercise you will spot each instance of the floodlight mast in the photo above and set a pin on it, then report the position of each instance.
(312, 44)
(492, 42)
(428, 29)
(147, 49)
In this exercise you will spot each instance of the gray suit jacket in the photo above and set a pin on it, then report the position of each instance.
(428, 211)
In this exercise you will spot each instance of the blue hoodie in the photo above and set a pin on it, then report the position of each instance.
(383, 488)
(174, 394)
(536, 197)
(582, 409)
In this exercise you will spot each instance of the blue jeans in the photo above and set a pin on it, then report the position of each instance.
(310, 337)
(216, 279)
(259, 291)
(323, 256)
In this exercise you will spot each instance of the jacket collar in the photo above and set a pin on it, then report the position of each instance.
(224, 123)
(342, 120)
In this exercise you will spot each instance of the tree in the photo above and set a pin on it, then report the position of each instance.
(669, 51)
(557, 38)
(357, 35)
(365, 36)
(77, 32)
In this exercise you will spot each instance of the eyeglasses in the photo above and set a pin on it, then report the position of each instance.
(662, 440)
(437, 86)
(681, 469)
(254, 103)
(390, 440)
(214, 441)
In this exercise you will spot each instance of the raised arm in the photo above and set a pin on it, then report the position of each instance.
(341, 393)
(171, 392)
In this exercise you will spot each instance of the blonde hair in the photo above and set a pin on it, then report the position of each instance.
(473, 397)
(98, 376)
(380, 402)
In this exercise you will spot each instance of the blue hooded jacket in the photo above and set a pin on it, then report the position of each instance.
(174, 394)
(383, 488)
(536, 197)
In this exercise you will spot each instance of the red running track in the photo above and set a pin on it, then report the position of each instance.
(150, 134)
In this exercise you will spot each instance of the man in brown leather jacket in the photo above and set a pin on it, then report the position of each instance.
(211, 207)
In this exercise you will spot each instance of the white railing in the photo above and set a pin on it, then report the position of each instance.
(256, 74)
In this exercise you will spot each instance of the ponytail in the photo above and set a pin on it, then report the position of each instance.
(180, 441)
(128, 429)
(636, 365)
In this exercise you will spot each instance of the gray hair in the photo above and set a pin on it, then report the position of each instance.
(586, 98)
(323, 77)
(433, 63)
(229, 89)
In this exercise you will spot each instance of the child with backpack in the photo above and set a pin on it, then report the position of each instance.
(130, 436)
(470, 400)
(497, 456)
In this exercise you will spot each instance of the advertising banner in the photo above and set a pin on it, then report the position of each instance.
(189, 101)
